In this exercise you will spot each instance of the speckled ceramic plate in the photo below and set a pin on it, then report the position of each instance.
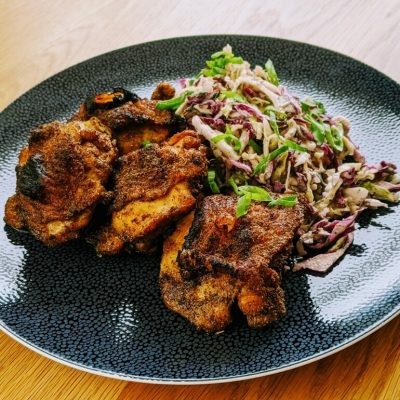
(105, 315)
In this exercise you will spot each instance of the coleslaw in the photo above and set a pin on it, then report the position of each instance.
(268, 145)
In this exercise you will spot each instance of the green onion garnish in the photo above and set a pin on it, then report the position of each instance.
(218, 62)
(260, 167)
(174, 103)
(273, 124)
(256, 147)
(249, 193)
(279, 114)
(211, 175)
(232, 182)
(229, 137)
(218, 54)
(317, 128)
(145, 144)
(294, 146)
(285, 201)
(272, 75)
(243, 205)
(312, 106)
(334, 137)
(257, 193)
(229, 94)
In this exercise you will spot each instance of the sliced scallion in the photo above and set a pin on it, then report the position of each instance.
(272, 75)
(334, 137)
(243, 205)
(272, 122)
(174, 103)
(233, 184)
(285, 201)
(317, 128)
(229, 137)
(294, 146)
(257, 193)
(260, 167)
(211, 175)
(256, 147)
(145, 144)
(312, 106)
(229, 94)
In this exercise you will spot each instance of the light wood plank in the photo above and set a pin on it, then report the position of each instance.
(41, 38)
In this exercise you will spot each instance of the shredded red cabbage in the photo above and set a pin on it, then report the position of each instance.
(323, 262)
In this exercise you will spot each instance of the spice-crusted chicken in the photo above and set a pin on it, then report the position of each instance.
(214, 259)
(132, 120)
(163, 91)
(155, 186)
(60, 178)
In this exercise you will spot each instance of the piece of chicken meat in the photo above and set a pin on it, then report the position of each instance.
(154, 186)
(61, 176)
(214, 259)
(133, 120)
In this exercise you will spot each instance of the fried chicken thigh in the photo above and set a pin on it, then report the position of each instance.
(155, 185)
(60, 178)
(214, 259)
(132, 120)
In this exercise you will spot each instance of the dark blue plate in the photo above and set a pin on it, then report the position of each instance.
(105, 315)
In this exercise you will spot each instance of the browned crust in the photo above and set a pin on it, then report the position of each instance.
(150, 173)
(163, 91)
(241, 246)
(56, 196)
(155, 186)
(214, 259)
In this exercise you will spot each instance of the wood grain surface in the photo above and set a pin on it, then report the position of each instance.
(40, 38)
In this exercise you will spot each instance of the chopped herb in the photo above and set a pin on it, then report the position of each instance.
(229, 137)
(312, 106)
(218, 54)
(286, 201)
(243, 205)
(232, 182)
(211, 175)
(256, 147)
(317, 128)
(334, 137)
(174, 103)
(249, 193)
(145, 144)
(272, 75)
(294, 146)
(279, 114)
(218, 62)
(273, 124)
(257, 193)
(260, 167)
(229, 94)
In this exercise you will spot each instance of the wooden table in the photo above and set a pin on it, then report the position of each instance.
(40, 38)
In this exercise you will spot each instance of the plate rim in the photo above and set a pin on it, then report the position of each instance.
(175, 381)
(161, 381)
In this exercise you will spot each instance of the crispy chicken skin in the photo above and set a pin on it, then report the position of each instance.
(131, 119)
(154, 186)
(206, 301)
(60, 178)
(163, 91)
(218, 259)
